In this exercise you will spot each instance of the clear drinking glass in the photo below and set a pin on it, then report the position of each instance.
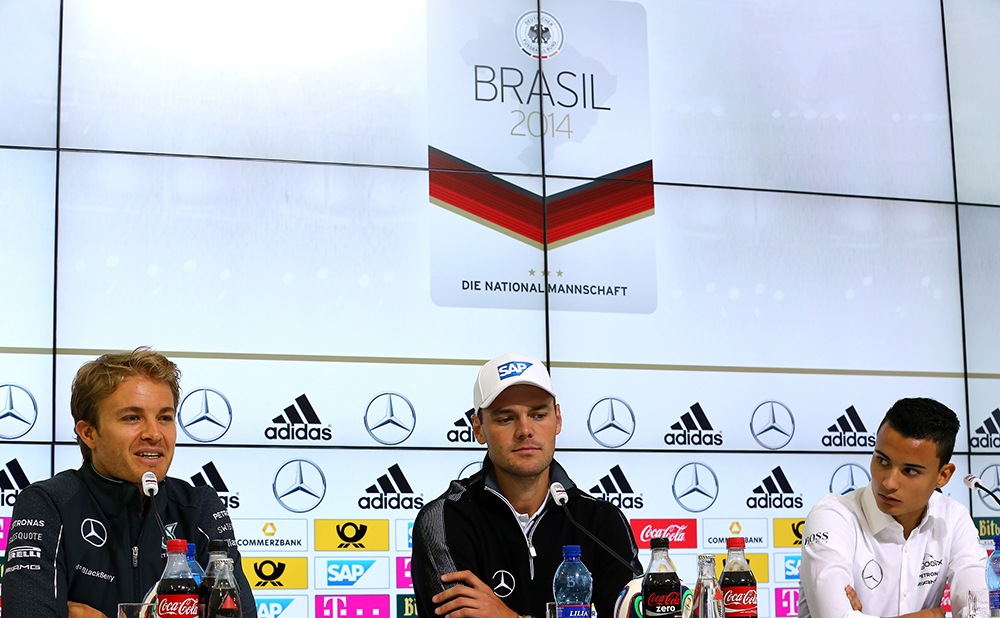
(136, 610)
(978, 603)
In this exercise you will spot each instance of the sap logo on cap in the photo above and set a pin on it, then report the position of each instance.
(792, 566)
(512, 369)
(346, 572)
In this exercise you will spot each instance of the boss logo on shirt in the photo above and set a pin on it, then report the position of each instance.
(815, 537)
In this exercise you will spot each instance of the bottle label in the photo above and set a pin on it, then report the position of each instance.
(663, 604)
(740, 601)
(177, 606)
(573, 611)
(995, 602)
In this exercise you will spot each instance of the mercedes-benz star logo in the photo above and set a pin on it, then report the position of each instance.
(19, 413)
(205, 415)
(990, 477)
(299, 485)
(772, 425)
(390, 419)
(847, 478)
(872, 574)
(469, 469)
(503, 583)
(94, 532)
(695, 487)
(611, 422)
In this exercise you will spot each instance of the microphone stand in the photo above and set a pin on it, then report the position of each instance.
(560, 497)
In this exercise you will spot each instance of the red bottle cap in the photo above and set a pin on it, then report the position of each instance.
(177, 545)
(736, 542)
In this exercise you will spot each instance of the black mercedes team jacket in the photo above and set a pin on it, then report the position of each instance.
(472, 527)
(80, 537)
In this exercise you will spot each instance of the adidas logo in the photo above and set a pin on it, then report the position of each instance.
(13, 482)
(775, 492)
(464, 433)
(694, 429)
(215, 480)
(849, 431)
(615, 488)
(988, 436)
(291, 425)
(388, 492)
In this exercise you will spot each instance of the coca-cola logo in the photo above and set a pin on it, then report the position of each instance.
(740, 597)
(671, 598)
(674, 532)
(682, 533)
(186, 606)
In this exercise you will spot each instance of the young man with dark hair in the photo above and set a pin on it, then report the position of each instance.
(90, 539)
(490, 545)
(889, 549)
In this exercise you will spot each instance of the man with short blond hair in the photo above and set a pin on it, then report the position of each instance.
(90, 538)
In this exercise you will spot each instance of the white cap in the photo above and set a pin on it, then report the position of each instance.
(509, 370)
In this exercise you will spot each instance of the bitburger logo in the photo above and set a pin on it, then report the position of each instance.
(775, 492)
(694, 429)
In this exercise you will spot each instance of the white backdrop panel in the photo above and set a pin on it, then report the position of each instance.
(979, 227)
(29, 72)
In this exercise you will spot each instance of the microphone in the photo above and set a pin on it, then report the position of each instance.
(972, 482)
(150, 487)
(560, 497)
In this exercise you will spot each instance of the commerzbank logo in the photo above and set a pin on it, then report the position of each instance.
(611, 422)
(205, 415)
(19, 413)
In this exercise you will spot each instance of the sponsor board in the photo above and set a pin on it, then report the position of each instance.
(682, 533)
(786, 602)
(292, 606)
(368, 572)
(276, 573)
(404, 534)
(406, 606)
(271, 534)
(788, 531)
(352, 606)
(717, 530)
(988, 527)
(352, 534)
(758, 564)
(403, 578)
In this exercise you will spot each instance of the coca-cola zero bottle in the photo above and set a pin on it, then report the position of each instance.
(661, 587)
(217, 549)
(225, 599)
(739, 586)
(176, 593)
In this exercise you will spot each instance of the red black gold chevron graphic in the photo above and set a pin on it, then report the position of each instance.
(591, 208)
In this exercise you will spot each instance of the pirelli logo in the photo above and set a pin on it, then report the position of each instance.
(352, 535)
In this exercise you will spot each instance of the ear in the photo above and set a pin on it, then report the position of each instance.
(477, 429)
(558, 420)
(87, 433)
(944, 474)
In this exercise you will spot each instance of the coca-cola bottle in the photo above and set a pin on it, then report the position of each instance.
(217, 549)
(661, 587)
(176, 593)
(225, 599)
(739, 586)
(707, 593)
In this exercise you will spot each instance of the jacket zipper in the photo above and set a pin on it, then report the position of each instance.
(527, 536)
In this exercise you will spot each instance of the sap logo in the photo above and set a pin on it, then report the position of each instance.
(792, 566)
(272, 607)
(346, 572)
(512, 369)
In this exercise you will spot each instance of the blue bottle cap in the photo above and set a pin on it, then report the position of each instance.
(571, 550)
(996, 541)
(191, 550)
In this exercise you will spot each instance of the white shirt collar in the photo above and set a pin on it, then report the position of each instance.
(876, 519)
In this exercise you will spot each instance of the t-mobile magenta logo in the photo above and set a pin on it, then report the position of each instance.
(786, 602)
(4, 528)
(403, 579)
(353, 606)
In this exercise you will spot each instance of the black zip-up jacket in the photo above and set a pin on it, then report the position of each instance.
(472, 527)
(81, 537)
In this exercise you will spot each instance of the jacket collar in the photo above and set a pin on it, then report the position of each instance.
(115, 497)
(557, 474)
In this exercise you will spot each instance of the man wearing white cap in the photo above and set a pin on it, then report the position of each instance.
(490, 545)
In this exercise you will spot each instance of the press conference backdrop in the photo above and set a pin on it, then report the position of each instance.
(739, 231)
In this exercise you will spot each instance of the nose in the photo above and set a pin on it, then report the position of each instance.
(151, 431)
(891, 480)
(524, 428)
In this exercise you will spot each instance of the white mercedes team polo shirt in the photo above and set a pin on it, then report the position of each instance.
(848, 541)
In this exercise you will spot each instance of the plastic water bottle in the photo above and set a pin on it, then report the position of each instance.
(993, 578)
(572, 585)
(196, 571)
